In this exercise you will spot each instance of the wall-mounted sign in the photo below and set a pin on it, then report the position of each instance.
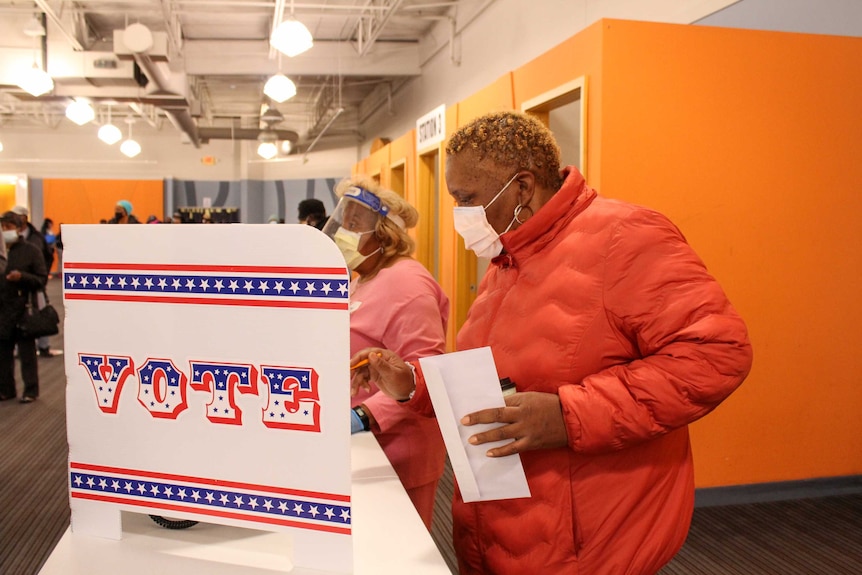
(431, 128)
(209, 160)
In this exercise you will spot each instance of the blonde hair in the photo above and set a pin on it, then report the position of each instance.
(393, 239)
(511, 138)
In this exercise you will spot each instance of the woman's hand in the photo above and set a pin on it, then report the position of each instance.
(534, 420)
(13, 276)
(383, 367)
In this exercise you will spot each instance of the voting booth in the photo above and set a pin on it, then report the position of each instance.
(208, 380)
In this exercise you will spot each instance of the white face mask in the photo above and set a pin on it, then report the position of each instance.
(10, 236)
(348, 243)
(471, 223)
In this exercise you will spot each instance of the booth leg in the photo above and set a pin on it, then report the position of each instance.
(96, 519)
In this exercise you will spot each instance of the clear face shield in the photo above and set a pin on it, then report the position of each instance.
(353, 222)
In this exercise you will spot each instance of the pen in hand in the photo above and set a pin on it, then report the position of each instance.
(363, 362)
(359, 364)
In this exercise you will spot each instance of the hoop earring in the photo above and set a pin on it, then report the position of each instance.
(517, 213)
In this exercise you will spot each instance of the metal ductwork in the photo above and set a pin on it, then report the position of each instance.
(138, 39)
(207, 134)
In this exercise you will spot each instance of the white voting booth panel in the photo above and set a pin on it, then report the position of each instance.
(207, 379)
(388, 536)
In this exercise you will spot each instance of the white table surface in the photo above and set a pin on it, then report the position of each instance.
(388, 537)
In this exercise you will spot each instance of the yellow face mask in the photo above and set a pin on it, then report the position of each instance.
(348, 242)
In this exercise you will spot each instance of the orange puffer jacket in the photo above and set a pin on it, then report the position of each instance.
(605, 304)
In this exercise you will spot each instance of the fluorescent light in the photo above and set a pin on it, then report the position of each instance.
(280, 88)
(267, 150)
(35, 81)
(291, 37)
(110, 134)
(80, 112)
(130, 148)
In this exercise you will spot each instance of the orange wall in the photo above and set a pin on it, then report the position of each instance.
(580, 55)
(88, 201)
(402, 152)
(749, 142)
(7, 198)
(378, 165)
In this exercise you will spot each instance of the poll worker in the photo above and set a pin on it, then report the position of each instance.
(616, 338)
(394, 303)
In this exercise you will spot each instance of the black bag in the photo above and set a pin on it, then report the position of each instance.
(39, 323)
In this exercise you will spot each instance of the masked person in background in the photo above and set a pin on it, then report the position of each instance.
(123, 214)
(312, 212)
(24, 277)
(394, 303)
(616, 338)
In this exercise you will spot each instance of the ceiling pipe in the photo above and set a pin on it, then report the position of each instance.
(52, 15)
(179, 116)
(230, 133)
(310, 147)
(138, 39)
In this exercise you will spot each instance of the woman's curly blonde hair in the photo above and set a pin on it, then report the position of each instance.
(511, 139)
(394, 240)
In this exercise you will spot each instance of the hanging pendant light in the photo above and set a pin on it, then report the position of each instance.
(35, 81)
(34, 27)
(80, 111)
(291, 37)
(280, 88)
(130, 148)
(267, 148)
(109, 133)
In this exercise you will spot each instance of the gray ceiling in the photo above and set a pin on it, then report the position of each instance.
(210, 59)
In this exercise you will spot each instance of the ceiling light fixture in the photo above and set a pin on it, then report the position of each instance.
(109, 133)
(35, 81)
(291, 37)
(280, 88)
(80, 111)
(34, 27)
(267, 148)
(130, 148)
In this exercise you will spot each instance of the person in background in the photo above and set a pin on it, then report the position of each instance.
(3, 257)
(58, 248)
(394, 303)
(616, 338)
(312, 212)
(24, 277)
(177, 218)
(33, 236)
(153, 219)
(123, 214)
(47, 232)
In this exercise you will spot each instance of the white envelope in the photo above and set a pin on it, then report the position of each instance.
(465, 382)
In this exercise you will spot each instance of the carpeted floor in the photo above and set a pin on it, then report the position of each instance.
(817, 536)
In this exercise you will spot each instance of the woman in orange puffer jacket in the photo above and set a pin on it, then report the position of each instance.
(617, 338)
